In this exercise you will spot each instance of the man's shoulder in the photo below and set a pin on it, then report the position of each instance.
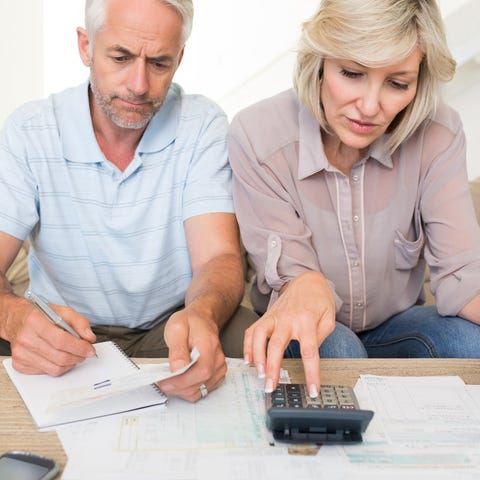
(194, 103)
(40, 112)
(30, 113)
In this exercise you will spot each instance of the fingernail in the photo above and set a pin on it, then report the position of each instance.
(313, 392)
(260, 370)
(168, 387)
(246, 360)
(269, 385)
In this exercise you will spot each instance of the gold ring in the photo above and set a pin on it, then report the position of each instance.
(203, 390)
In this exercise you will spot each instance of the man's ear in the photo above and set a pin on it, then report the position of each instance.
(83, 46)
(180, 57)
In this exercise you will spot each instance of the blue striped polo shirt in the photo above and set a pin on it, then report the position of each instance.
(111, 244)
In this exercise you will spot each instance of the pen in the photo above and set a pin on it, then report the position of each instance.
(51, 314)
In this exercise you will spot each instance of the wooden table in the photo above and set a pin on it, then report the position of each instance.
(18, 432)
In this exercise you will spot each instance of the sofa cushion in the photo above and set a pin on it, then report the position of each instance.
(17, 274)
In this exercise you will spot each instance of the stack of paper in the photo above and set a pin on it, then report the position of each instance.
(424, 428)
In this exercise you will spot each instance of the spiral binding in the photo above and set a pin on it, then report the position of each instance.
(124, 354)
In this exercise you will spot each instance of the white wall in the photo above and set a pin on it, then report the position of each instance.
(222, 58)
(21, 52)
(463, 93)
(63, 67)
(240, 51)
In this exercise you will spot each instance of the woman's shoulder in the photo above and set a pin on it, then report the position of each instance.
(271, 122)
(278, 111)
(443, 129)
(446, 117)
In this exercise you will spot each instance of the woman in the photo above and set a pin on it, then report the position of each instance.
(348, 185)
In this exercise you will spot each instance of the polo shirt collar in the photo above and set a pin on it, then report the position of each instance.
(311, 155)
(76, 130)
(162, 128)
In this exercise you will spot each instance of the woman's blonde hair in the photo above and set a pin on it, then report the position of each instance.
(376, 33)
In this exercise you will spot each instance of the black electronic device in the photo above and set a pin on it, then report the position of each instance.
(27, 466)
(332, 417)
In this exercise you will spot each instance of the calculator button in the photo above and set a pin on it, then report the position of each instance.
(296, 396)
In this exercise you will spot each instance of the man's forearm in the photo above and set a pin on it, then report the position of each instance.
(6, 298)
(217, 288)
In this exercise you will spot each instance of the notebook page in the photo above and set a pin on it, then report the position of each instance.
(37, 390)
(111, 385)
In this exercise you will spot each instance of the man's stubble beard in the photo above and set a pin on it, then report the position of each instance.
(105, 102)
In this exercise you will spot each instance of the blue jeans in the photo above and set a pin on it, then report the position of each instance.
(418, 332)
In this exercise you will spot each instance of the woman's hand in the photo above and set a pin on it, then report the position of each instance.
(304, 311)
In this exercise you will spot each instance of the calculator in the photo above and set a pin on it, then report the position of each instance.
(333, 417)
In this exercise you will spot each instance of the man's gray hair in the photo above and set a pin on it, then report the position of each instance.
(95, 14)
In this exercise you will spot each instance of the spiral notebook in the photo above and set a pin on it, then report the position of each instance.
(110, 366)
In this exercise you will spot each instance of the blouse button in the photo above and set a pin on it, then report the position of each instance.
(356, 218)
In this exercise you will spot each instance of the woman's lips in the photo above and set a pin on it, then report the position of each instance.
(360, 127)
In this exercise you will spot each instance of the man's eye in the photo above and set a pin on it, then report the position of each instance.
(121, 59)
(159, 65)
(349, 73)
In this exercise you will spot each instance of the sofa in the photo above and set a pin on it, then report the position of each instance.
(17, 274)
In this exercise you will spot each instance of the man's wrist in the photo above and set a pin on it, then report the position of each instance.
(203, 311)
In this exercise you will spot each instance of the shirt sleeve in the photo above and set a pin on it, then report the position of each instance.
(208, 187)
(18, 189)
(452, 248)
(276, 238)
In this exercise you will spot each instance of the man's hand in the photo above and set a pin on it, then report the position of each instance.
(185, 330)
(39, 346)
(213, 295)
(304, 311)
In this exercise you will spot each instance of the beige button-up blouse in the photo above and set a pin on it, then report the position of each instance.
(369, 233)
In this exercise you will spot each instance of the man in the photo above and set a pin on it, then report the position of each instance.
(123, 186)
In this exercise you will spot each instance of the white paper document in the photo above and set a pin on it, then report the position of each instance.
(92, 389)
(424, 428)
(229, 421)
(108, 387)
(421, 424)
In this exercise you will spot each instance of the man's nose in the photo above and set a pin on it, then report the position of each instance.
(138, 78)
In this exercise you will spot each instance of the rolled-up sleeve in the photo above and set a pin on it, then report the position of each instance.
(277, 239)
(453, 235)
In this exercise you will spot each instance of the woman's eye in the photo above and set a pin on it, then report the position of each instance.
(349, 73)
(399, 85)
